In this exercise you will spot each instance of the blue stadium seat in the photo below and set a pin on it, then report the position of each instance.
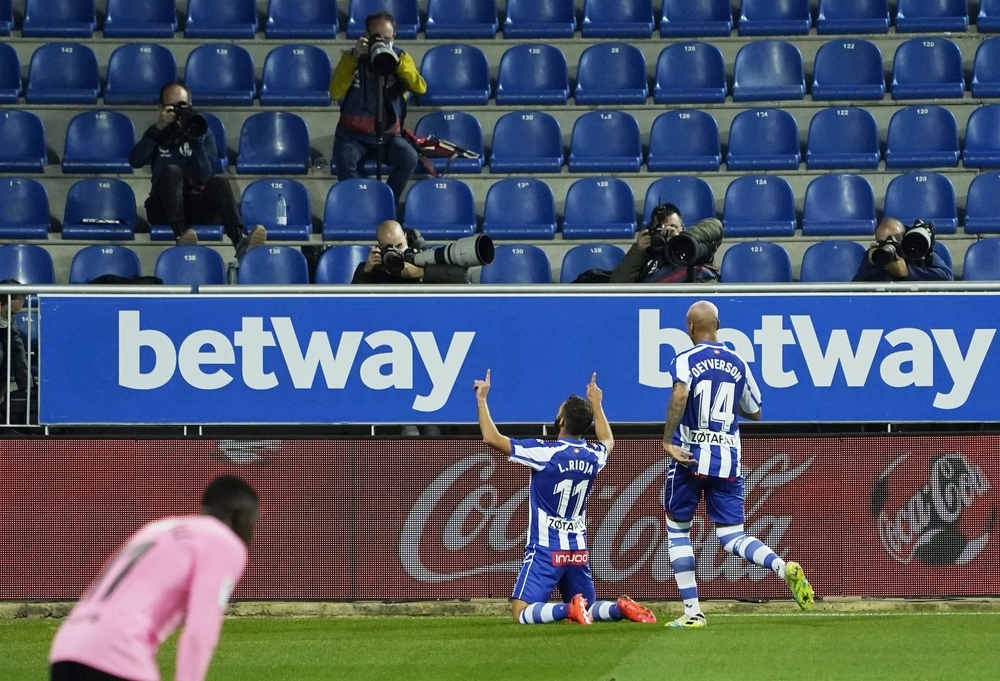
(611, 73)
(260, 207)
(404, 11)
(220, 74)
(63, 73)
(694, 18)
(354, 207)
(59, 19)
(101, 208)
(690, 73)
(926, 68)
(617, 18)
(922, 136)
(982, 261)
(982, 205)
(848, 69)
(605, 142)
(441, 208)
(763, 139)
(28, 263)
(517, 264)
(539, 19)
(92, 262)
(520, 208)
(204, 232)
(219, 131)
(923, 196)
(929, 16)
(986, 70)
(775, 17)
(273, 142)
(526, 141)
(296, 75)
(692, 196)
(140, 19)
(190, 266)
(831, 261)
(852, 16)
(988, 20)
(982, 138)
(532, 74)
(599, 208)
(841, 138)
(585, 257)
(302, 19)
(455, 75)
(756, 262)
(22, 143)
(137, 72)
(461, 19)
(767, 70)
(10, 75)
(273, 265)
(24, 210)
(337, 264)
(6, 17)
(98, 142)
(759, 205)
(221, 19)
(460, 128)
(684, 140)
(838, 204)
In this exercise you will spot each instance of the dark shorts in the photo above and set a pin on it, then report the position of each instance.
(684, 489)
(540, 577)
(74, 671)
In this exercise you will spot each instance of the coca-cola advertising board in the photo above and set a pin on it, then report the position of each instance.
(390, 519)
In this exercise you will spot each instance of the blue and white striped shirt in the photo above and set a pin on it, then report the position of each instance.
(562, 475)
(718, 379)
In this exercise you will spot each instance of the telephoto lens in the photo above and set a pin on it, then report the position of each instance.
(883, 255)
(918, 241)
(383, 58)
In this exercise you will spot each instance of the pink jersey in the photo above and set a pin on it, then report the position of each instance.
(173, 571)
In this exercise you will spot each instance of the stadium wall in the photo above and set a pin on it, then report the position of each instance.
(879, 516)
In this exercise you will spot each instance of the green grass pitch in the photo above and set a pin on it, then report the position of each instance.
(745, 647)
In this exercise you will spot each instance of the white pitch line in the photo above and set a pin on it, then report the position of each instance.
(853, 614)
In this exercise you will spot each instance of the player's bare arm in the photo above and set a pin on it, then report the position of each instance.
(596, 396)
(491, 435)
(753, 417)
(675, 410)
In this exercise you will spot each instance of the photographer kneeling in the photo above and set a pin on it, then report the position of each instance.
(901, 254)
(666, 252)
(401, 257)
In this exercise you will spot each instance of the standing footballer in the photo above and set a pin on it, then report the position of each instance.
(562, 476)
(711, 385)
(174, 571)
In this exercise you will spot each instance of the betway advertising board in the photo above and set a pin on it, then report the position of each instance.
(398, 358)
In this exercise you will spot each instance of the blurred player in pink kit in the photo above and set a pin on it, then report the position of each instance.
(179, 570)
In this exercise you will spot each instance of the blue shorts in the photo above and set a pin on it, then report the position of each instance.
(684, 489)
(540, 576)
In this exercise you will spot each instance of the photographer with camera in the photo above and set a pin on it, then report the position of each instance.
(666, 252)
(183, 154)
(375, 71)
(401, 257)
(901, 254)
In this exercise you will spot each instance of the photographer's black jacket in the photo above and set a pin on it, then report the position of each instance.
(433, 274)
(639, 266)
(197, 156)
(932, 268)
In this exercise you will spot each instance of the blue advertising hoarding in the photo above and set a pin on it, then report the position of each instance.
(411, 358)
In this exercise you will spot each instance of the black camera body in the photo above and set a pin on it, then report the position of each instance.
(394, 259)
(188, 123)
(657, 228)
(916, 245)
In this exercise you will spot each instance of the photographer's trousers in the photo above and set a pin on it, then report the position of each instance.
(173, 202)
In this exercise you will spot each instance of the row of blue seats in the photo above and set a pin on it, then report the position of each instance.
(608, 73)
(921, 136)
(746, 262)
(479, 18)
(525, 208)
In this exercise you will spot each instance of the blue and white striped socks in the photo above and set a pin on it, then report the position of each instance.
(682, 561)
(543, 613)
(749, 548)
(606, 611)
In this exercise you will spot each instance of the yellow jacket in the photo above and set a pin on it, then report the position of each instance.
(343, 75)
